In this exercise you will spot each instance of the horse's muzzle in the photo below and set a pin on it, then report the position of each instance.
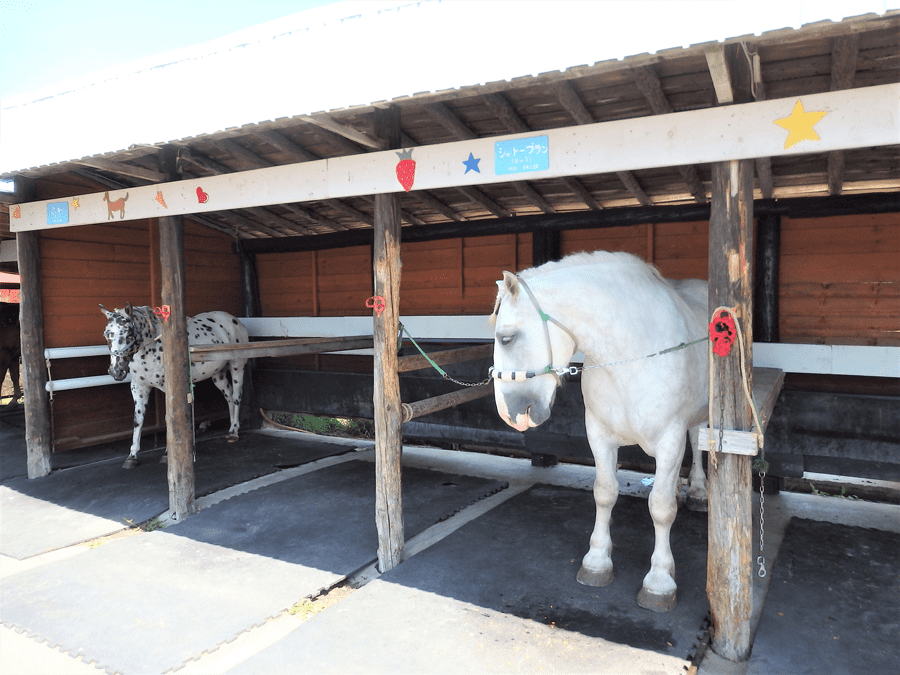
(118, 373)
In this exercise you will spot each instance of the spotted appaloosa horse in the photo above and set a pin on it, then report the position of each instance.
(133, 335)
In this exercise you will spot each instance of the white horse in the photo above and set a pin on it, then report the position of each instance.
(615, 309)
(133, 335)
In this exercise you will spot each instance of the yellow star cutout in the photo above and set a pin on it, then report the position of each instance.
(800, 125)
(75, 202)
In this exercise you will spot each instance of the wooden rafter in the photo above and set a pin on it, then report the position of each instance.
(475, 195)
(505, 112)
(328, 123)
(286, 145)
(844, 53)
(571, 101)
(123, 169)
(449, 120)
(651, 88)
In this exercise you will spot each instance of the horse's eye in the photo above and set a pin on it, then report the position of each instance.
(507, 340)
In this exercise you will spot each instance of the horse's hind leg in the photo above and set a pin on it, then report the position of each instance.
(658, 592)
(596, 566)
(231, 390)
(140, 395)
(697, 497)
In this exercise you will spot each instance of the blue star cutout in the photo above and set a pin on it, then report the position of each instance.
(472, 164)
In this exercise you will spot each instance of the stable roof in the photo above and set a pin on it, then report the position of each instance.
(303, 88)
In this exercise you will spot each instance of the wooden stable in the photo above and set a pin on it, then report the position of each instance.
(676, 157)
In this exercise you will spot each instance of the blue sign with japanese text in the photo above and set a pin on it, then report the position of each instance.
(58, 213)
(521, 155)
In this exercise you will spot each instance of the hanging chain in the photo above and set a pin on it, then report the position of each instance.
(434, 365)
(761, 559)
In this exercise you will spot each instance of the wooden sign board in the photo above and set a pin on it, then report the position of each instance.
(852, 118)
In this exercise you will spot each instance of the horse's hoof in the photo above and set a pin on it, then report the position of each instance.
(232, 438)
(656, 602)
(597, 579)
(696, 504)
(130, 463)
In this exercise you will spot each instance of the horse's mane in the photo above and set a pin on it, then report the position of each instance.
(604, 261)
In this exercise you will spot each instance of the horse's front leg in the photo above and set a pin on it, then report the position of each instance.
(697, 496)
(658, 592)
(141, 395)
(596, 567)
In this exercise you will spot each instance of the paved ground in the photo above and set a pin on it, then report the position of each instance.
(452, 606)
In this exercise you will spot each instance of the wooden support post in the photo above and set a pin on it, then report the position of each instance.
(176, 360)
(388, 413)
(730, 562)
(38, 429)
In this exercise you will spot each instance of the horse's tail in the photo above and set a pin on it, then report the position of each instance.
(125, 198)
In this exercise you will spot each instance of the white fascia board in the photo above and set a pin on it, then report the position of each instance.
(853, 118)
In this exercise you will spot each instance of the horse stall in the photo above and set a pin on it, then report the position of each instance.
(298, 227)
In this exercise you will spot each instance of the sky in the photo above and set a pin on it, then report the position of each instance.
(43, 42)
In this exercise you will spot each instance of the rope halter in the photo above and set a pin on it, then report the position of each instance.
(549, 369)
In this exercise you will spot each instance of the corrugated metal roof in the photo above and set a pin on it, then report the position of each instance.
(357, 54)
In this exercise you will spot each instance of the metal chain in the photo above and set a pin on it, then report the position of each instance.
(434, 365)
(761, 559)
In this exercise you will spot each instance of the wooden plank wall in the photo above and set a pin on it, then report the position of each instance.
(840, 280)
(111, 264)
(453, 276)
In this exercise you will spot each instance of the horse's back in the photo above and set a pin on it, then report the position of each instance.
(695, 293)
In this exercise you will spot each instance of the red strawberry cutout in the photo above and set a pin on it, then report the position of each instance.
(406, 169)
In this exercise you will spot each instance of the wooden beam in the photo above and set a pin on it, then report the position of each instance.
(718, 70)
(505, 112)
(354, 213)
(437, 205)
(330, 124)
(477, 196)
(575, 186)
(651, 88)
(630, 182)
(176, 361)
(844, 53)
(690, 137)
(406, 364)
(444, 401)
(314, 217)
(448, 119)
(278, 348)
(234, 148)
(286, 145)
(386, 398)
(38, 428)
(533, 196)
(123, 169)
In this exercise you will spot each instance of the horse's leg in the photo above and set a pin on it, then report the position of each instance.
(596, 566)
(237, 390)
(140, 394)
(697, 497)
(658, 592)
(231, 391)
(14, 376)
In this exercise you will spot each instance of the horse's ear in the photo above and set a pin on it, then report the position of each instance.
(105, 311)
(510, 284)
(129, 310)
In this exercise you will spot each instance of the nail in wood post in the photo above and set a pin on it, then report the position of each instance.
(176, 361)
(388, 413)
(730, 561)
(38, 430)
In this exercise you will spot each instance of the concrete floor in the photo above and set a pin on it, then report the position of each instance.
(20, 654)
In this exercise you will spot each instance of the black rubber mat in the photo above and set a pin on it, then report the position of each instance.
(84, 502)
(500, 595)
(151, 602)
(833, 604)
